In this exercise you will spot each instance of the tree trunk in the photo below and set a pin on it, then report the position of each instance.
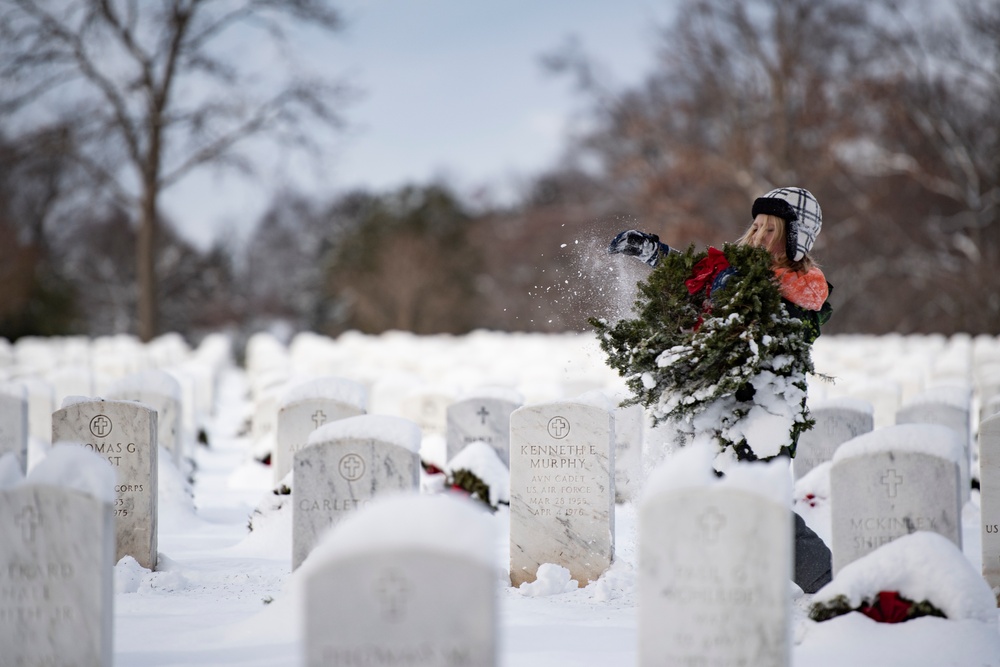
(145, 265)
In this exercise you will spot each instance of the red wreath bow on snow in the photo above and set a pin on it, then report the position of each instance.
(888, 608)
(705, 270)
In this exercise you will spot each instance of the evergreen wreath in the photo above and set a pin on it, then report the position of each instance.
(710, 358)
(884, 607)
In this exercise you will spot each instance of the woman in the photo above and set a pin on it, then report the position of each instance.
(786, 221)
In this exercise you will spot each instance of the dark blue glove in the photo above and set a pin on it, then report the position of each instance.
(646, 247)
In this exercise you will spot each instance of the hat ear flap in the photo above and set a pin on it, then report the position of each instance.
(792, 250)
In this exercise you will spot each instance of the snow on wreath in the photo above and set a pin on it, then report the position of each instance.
(714, 352)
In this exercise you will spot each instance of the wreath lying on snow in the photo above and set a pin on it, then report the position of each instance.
(714, 352)
(886, 607)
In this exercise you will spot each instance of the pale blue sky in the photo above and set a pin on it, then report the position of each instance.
(450, 88)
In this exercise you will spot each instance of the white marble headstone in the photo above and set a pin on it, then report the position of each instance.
(629, 429)
(989, 478)
(306, 406)
(837, 421)
(14, 423)
(948, 406)
(483, 419)
(344, 467)
(408, 581)
(715, 561)
(428, 408)
(162, 392)
(41, 405)
(124, 433)
(56, 565)
(892, 482)
(561, 490)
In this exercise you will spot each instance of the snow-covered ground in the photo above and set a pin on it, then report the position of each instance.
(223, 595)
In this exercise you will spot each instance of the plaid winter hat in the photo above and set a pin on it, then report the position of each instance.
(800, 210)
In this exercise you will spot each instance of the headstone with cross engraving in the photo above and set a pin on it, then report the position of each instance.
(715, 560)
(989, 476)
(56, 562)
(373, 591)
(891, 482)
(629, 429)
(344, 466)
(837, 421)
(562, 489)
(480, 419)
(308, 405)
(949, 406)
(162, 392)
(14, 423)
(124, 433)
(428, 408)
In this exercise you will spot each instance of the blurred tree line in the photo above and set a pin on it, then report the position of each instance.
(887, 110)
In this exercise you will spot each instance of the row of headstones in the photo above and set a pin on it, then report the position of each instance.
(26, 407)
(715, 559)
(562, 463)
(552, 498)
(309, 405)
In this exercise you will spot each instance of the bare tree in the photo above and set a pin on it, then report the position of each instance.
(151, 91)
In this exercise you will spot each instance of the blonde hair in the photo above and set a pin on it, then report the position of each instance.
(784, 261)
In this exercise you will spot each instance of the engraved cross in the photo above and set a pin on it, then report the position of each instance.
(711, 522)
(393, 592)
(891, 481)
(27, 519)
(558, 427)
(483, 414)
(319, 418)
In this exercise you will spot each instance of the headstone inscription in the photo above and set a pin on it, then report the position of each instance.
(162, 392)
(56, 562)
(837, 421)
(561, 490)
(892, 482)
(124, 433)
(715, 561)
(480, 419)
(305, 407)
(373, 593)
(989, 479)
(14, 423)
(344, 466)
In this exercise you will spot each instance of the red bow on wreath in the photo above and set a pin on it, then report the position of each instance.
(702, 276)
(705, 270)
(888, 608)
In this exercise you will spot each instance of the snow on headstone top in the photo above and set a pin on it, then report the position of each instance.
(481, 459)
(920, 566)
(951, 395)
(843, 403)
(69, 465)
(333, 388)
(396, 430)
(931, 439)
(439, 523)
(73, 400)
(10, 471)
(692, 468)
